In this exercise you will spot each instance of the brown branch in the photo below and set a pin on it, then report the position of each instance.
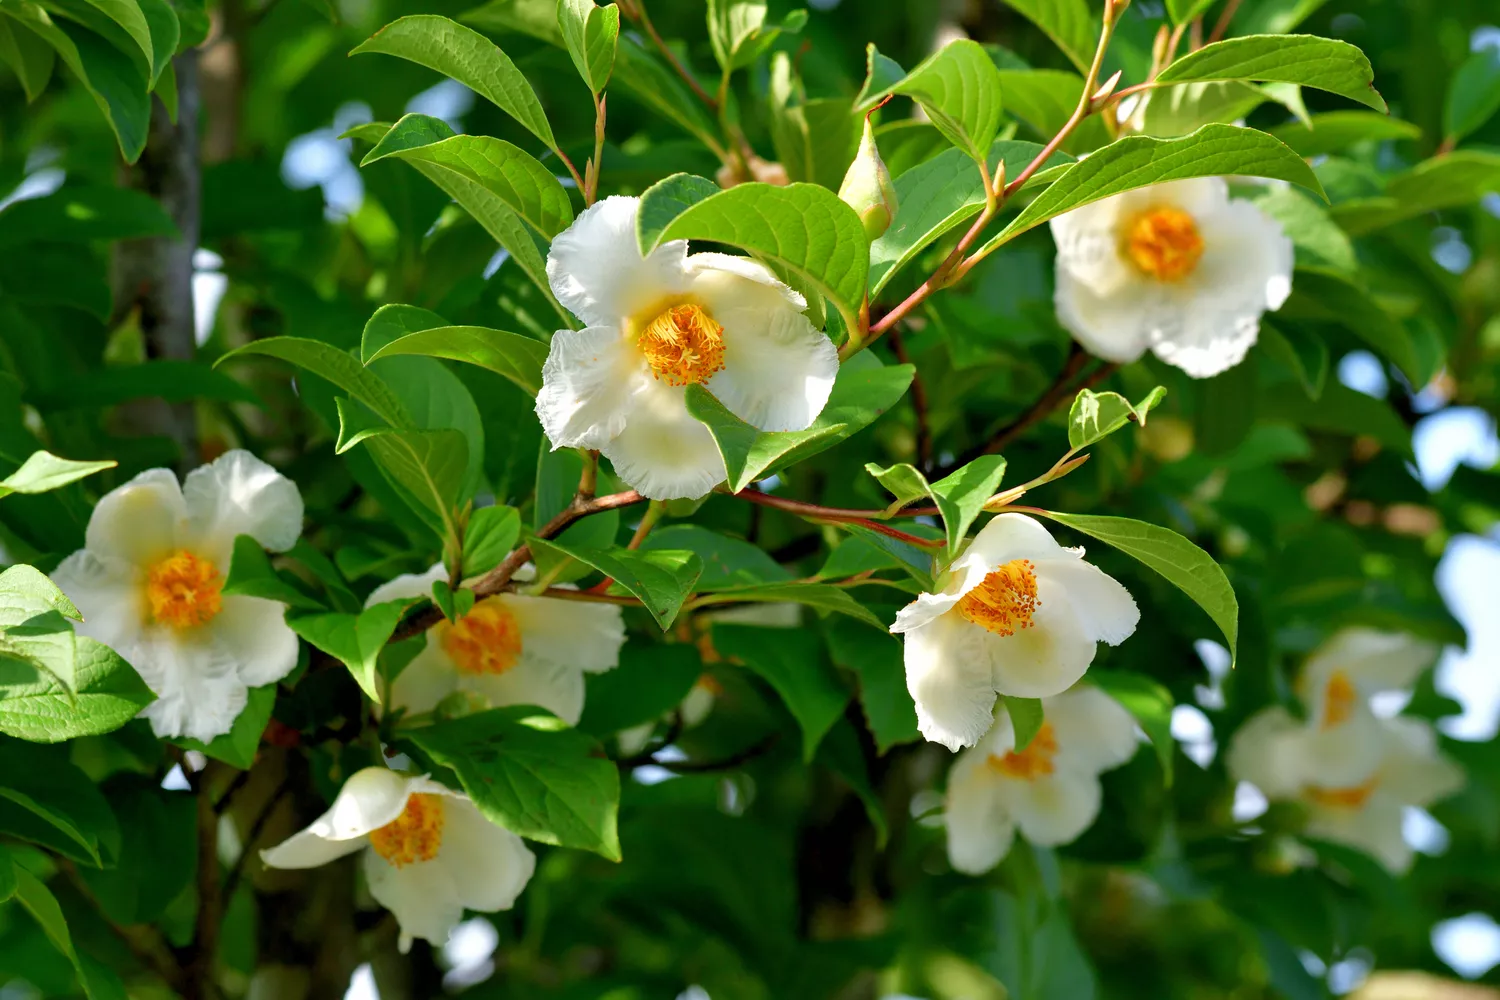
(145, 942)
(817, 512)
(199, 982)
(918, 405)
(671, 57)
(590, 596)
(1222, 25)
(257, 827)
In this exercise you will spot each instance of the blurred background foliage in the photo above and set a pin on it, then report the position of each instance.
(1296, 470)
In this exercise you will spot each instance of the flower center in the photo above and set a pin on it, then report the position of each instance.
(1164, 243)
(1343, 798)
(1005, 600)
(1031, 763)
(415, 835)
(683, 346)
(1338, 700)
(183, 590)
(487, 640)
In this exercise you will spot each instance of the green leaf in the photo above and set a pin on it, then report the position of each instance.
(1045, 99)
(1340, 410)
(31, 59)
(842, 754)
(337, 366)
(1026, 718)
(172, 381)
(661, 90)
(507, 171)
(1068, 23)
(1301, 352)
(465, 55)
(959, 88)
(47, 800)
(802, 227)
(1334, 131)
(727, 562)
(937, 195)
(132, 21)
(876, 658)
(861, 393)
(824, 598)
(26, 590)
(488, 538)
(7, 875)
(792, 662)
(882, 73)
(660, 579)
(44, 471)
(158, 850)
(1139, 161)
(557, 477)
(510, 355)
(1325, 295)
(356, 640)
(1306, 60)
(117, 83)
(237, 747)
(42, 641)
(738, 32)
(1183, 11)
(83, 215)
(442, 596)
(1149, 702)
(1181, 108)
(959, 497)
(589, 33)
(1097, 415)
(1473, 94)
(666, 200)
(44, 909)
(530, 773)
(650, 682)
(1461, 178)
(35, 706)
(252, 575)
(428, 465)
(1318, 240)
(815, 139)
(1179, 561)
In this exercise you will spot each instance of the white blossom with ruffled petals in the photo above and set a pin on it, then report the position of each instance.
(428, 852)
(1179, 269)
(149, 582)
(654, 326)
(1016, 614)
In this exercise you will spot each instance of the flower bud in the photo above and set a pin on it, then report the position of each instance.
(867, 187)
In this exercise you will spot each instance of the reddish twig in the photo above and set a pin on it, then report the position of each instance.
(918, 405)
(1222, 25)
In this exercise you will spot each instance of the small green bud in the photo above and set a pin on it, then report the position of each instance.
(867, 187)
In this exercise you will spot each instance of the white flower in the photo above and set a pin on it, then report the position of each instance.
(510, 649)
(429, 853)
(657, 325)
(1017, 614)
(1050, 790)
(1178, 268)
(1404, 768)
(149, 582)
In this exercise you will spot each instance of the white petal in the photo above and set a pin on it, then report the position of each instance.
(238, 494)
(141, 522)
(372, 798)
(426, 680)
(663, 452)
(1015, 536)
(488, 864)
(1246, 270)
(574, 633)
(1054, 808)
(1045, 659)
(1267, 751)
(1374, 828)
(1345, 755)
(1415, 771)
(407, 585)
(557, 687)
(109, 593)
(1104, 608)
(950, 681)
(423, 896)
(305, 849)
(1373, 660)
(926, 608)
(1094, 733)
(1088, 248)
(980, 831)
(1115, 325)
(778, 369)
(588, 382)
(197, 682)
(596, 270)
(254, 631)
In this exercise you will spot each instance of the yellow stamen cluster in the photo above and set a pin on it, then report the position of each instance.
(1034, 761)
(183, 590)
(1343, 798)
(487, 640)
(413, 836)
(683, 346)
(1339, 699)
(1005, 600)
(1164, 243)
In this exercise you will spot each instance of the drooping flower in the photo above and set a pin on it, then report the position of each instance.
(658, 324)
(510, 649)
(149, 582)
(1403, 767)
(1177, 268)
(1016, 614)
(1049, 790)
(428, 852)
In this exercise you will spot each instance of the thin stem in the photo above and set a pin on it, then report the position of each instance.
(1222, 25)
(803, 509)
(257, 827)
(577, 177)
(671, 57)
(588, 480)
(591, 187)
(654, 511)
(918, 405)
(590, 596)
(200, 982)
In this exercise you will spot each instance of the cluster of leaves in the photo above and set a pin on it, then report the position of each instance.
(389, 368)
